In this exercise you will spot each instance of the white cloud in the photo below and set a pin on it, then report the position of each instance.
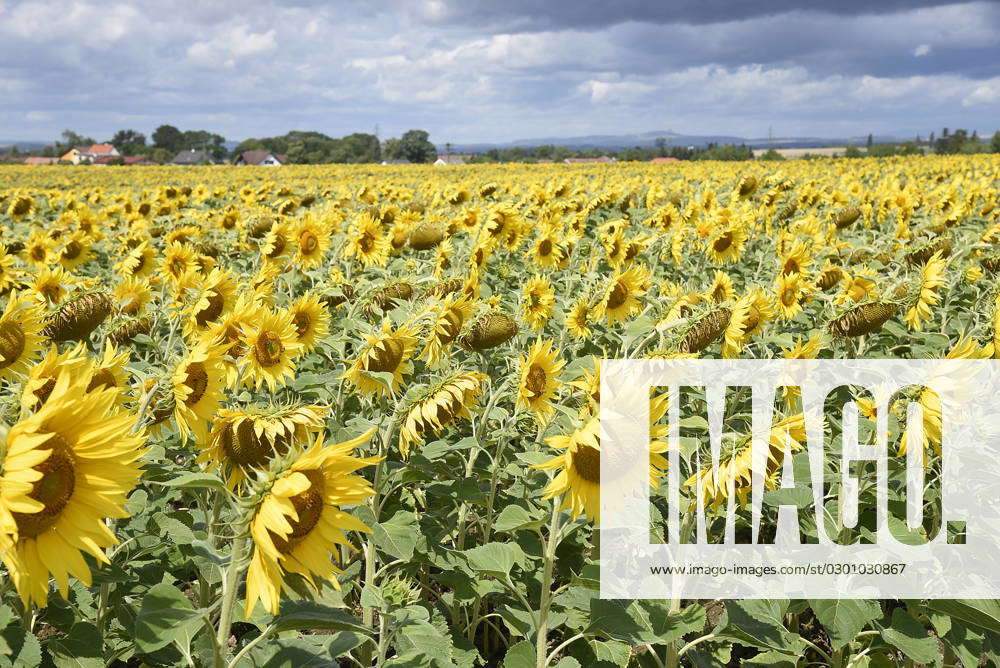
(614, 91)
(232, 44)
(922, 50)
(985, 93)
(38, 116)
(96, 26)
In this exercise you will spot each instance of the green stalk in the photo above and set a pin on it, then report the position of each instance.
(545, 598)
(230, 585)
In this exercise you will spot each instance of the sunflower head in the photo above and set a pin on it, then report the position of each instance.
(437, 406)
(489, 331)
(78, 317)
(862, 319)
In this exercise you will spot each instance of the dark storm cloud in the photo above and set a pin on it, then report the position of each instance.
(508, 15)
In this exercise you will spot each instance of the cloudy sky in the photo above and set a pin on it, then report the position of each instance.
(470, 70)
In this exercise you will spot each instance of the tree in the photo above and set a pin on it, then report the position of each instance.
(129, 142)
(392, 149)
(71, 139)
(870, 142)
(995, 142)
(168, 137)
(161, 155)
(930, 139)
(853, 152)
(416, 146)
(661, 146)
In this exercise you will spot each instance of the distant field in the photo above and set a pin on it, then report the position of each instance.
(799, 152)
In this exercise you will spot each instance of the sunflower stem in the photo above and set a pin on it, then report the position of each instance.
(229, 587)
(545, 597)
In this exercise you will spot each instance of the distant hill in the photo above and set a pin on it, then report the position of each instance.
(22, 145)
(648, 140)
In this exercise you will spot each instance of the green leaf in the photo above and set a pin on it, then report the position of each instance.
(981, 613)
(165, 616)
(617, 653)
(23, 648)
(521, 655)
(772, 658)
(303, 615)
(615, 619)
(397, 537)
(515, 518)
(967, 644)
(665, 626)
(81, 648)
(195, 481)
(760, 623)
(910, 636)
(496, 559)
(844, 618)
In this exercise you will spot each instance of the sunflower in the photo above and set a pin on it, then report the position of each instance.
(547, 253)
(132, 294)
(736, 460)
(138, 261)
(539, 296)
(930, 411)
(539, 379)
(216, 294)
(366, 242)
(579, 479)
(20, 335)
(590, 385)
(439, 405)
(387, 351)
(8, 274)
(735, 334)
(791, 292)
(727, 246)
(38, 249)
(796, 260)
(271, 348)
(75, 251)
(109, 373)
(311, 319)
(20, 207)
(51, 284)
(449, 315)
(298, 524)
(247, 439)
(722, 288)
(178, 260)
(42, 376)
(198, 384)
(578, 320)
(857, 287)
(276, 242)
(620, 299)
(231, 330)
(88, 459)
(931, 278)
(761, 312)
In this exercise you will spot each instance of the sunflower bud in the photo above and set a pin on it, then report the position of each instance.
(863, 319)
(489, 331)
(80, 316)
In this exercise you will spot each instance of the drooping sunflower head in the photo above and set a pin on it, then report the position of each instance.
(78, 317)
(387, 351)
(621, 294)
(437, 406)
(924, 294)
(489, 330)
(247, 439)
(20, 335)
(447, 317)
(298, 523)
(864, 318)
(704, 328)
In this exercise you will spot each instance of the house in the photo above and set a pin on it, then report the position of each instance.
(587, 161)
(452, 159)
(103, 150)
(137, 161)
(41, 161)
(89, 154)
(193, 157)
(658, 160)
(75, 155)
(260, 158)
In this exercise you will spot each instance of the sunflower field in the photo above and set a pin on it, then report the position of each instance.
(348, 415)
